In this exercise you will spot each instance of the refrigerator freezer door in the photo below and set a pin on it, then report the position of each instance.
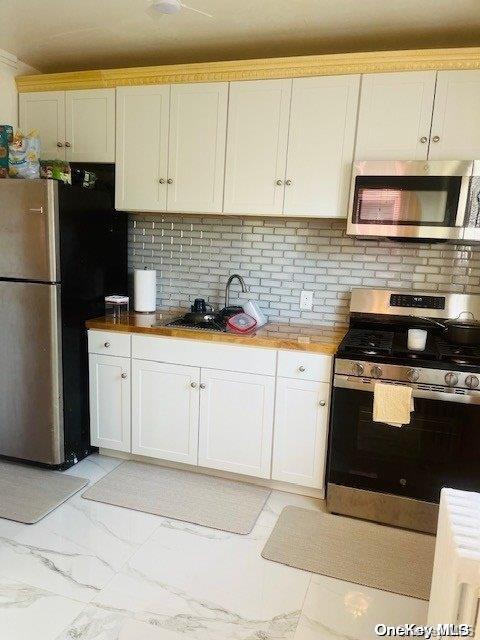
(31, 415)
(29, 230)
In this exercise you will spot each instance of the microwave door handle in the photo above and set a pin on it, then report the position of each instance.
(461, 220)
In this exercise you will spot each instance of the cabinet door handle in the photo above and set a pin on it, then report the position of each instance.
(124, 376)
(288, 183)
(170, 181)
(301, 368)
(107, 344)
(203, 386)
(193, 385)
(322, 403)
(279, 183)
(423, 139)
(436, 139)
(67, 144)
(162, 181)
(59, 144)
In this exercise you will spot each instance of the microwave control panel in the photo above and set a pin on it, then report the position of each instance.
(417, 302)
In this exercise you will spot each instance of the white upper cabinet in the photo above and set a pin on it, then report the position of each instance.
(142, 147)
(320, 145)
(236, 422)
(395, 116)
(77, 126)
(257, 137)
(90, 125)
(456, 117)
(196, 159)
(45, 112)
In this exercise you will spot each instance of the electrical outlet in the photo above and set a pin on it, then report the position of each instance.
(306, 300)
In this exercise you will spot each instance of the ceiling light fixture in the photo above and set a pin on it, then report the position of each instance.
(169, 7)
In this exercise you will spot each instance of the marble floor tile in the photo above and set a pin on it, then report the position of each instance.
(94, 467)
(76, 549)
(28, 613)
(203, 584)
(335, 609)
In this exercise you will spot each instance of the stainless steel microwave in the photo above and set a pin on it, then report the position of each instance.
(413, 199)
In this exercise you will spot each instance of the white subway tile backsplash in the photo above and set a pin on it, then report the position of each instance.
(279, 257)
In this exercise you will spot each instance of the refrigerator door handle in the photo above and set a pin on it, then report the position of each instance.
(36, 210)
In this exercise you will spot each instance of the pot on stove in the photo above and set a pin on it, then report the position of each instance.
(461, 330)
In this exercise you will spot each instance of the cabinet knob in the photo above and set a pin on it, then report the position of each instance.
(162, 181)
(124, 376)
(170, 181)
(67, 144)
(301, 368)
(436, 139)
(59, 144)
(279, 183)
(203, 386)
(107, 344)
(423, 139)
(322, 403)
(288, 183)
(193, 385)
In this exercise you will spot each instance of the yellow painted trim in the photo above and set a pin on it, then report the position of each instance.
(300, 66)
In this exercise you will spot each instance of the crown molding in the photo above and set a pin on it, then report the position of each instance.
(268, 68)
(8, 59)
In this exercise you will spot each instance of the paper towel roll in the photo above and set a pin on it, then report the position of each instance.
(145, 290)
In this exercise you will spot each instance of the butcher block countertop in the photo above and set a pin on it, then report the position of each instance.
(298, 337)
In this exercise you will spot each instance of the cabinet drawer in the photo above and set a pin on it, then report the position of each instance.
(304, 366)
(204, 354)
(109, 343)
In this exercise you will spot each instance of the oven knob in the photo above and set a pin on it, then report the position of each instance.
(376, 372)
(451, 379)
(412, 375)
(472, 382)
(358, 369)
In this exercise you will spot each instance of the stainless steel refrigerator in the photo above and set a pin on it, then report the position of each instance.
(62, 249)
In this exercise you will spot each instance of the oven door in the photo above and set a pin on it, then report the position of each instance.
(409, 199)
(439, 448)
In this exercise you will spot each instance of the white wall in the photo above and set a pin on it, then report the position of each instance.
(9, 68)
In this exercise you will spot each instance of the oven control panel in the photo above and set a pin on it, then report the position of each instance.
(417, 302)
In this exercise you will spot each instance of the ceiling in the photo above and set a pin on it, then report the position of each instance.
(63, 35)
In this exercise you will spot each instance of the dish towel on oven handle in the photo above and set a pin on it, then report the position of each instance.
(392, 404)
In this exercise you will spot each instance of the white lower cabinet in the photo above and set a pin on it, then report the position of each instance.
(110, 401)
(165, 402)
(236, 422)
(301, 428)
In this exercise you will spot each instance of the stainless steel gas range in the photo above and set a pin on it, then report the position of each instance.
(394, 474)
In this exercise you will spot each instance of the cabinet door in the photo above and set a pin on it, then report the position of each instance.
(110, 402)
(165, 400)
(236, 420)
(45, 112)
(300, 433)
(456, 116)
(395, 115)
(142, 147)
(323, 122)
(90, 125)
(258, 115)
(198, 132)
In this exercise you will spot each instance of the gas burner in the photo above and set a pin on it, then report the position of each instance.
(458, 354)
(369, 342)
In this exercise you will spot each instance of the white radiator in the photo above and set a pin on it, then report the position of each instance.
(455, 592)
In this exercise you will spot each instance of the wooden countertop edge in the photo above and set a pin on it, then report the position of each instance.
(324, 346)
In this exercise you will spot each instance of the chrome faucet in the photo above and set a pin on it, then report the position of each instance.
(234, 276)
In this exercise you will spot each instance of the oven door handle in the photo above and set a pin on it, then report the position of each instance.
(418, 391)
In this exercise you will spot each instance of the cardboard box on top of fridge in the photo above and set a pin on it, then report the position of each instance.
(6, 137)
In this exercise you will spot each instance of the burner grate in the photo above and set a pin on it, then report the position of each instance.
(369, 342)
(459, 354)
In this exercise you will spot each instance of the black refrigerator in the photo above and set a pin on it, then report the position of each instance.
(63, 248)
